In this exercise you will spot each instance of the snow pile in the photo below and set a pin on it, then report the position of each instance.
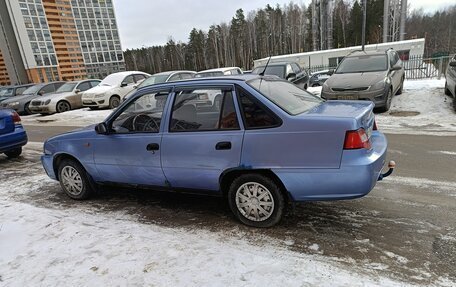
(77, 118)
(434, 111)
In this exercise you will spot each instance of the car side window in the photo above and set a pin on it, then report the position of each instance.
(295, 68)
(139, 77)
(175, 77)
(255, 115)
(128, 80)
(94, 83)
(289, 70)
(47, 89)
(392, 61)
(203, 110)
(20, 90)
(143, 115)
(185, 76)
(84, 86)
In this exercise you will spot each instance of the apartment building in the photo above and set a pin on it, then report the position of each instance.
(48, 40)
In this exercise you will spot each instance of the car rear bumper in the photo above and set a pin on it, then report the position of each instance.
(48, 165)
(358, 173)
(13, 140)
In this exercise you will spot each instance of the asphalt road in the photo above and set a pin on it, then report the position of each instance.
(405, 228)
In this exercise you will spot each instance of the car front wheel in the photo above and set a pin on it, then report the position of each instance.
(63, 106)
(447, 91)
(74, 180)
(256, 200)
(114, 102)
(14, 153)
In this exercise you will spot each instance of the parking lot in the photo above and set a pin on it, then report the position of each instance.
(402, 233)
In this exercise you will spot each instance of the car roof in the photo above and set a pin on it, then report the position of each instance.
(219, 69)
(127, 73)
(277, 64)
(367, 53)
(210, 80)
(173, 72)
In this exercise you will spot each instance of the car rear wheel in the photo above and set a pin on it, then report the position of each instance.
(14, 153)
(454, 101)
(62, 106)
(74, 180)
(256, 200)
(114, 102)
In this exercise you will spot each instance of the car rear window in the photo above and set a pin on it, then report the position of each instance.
(365, 63)
(278, 71)
(284, 94)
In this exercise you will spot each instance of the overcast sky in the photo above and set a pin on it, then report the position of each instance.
(152, 22)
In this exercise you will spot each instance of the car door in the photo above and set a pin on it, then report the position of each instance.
(76, 98)
(203, 138)
(131, 151)
(126, 86)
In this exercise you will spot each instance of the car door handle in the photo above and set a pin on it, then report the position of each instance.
(152, 147)
(223, 145)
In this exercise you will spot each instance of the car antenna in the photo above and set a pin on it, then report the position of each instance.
(265, 67)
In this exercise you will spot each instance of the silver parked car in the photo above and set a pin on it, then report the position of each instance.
(367, 75)
(21, 103)
(67, 97)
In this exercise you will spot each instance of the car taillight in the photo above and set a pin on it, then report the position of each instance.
(375, 126)
(16, 118)
(356, 140)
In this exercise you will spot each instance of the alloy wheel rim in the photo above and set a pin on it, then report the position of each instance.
(254, 201)
(63, 107)
(72, 180)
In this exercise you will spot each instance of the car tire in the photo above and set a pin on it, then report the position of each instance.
(62, 106)
(305, 87)
(388, 100)
(14, 153)
(447, 91)
(93, 108)
(27, 109)
(315, 85)
(114, 102)
(454, 102)
(401, 87)
(74, 180)
(250, 192)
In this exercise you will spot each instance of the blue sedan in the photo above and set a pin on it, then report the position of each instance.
(12, 133)
(257, 140)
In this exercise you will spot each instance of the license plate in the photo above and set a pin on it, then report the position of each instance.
(86, 102)
(347, 97)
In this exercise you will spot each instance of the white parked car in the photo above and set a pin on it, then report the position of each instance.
(219, 72)
(114, 87)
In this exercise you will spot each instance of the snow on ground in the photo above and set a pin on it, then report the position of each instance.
(435, 114)
(421, 109)
(44, 247)
(84, 247)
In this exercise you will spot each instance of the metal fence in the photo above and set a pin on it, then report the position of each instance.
(416, 67)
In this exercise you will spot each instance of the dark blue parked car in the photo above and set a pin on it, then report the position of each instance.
(259, 141)
(12, 134)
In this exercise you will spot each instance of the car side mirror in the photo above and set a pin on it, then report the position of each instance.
(291, 77)
(123, 84)
(40, 93)
(396, 67)
(453, 63)
(101, 129)
(331, 72)
(77, 91)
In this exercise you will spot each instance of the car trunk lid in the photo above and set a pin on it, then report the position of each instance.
(360, 111)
